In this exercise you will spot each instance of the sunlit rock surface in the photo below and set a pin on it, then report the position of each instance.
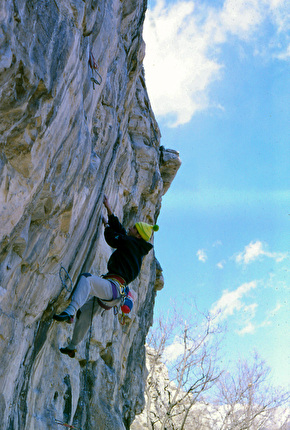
(64, 143)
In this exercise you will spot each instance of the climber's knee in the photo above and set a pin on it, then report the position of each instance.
(86, 275)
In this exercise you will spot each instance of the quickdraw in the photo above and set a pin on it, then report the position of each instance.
(66, 425)
(122, 320)
(94, 67)
(64, 277)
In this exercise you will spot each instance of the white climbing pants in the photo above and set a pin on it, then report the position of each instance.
(91, 285)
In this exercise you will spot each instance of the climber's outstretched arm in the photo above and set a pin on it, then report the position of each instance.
(107, 205)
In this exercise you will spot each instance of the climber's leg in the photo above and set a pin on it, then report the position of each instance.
(83, 322)
(79, 297)
(88, 284)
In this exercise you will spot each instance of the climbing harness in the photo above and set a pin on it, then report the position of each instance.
(118, 289)
(66, 425)
(64, 278)
(94, 67)
(127, 297)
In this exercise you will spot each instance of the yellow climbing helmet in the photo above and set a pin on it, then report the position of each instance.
(145, 230)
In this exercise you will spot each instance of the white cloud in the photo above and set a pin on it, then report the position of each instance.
(271, 315)
(241, 18)
(250, 253)
(173, 351)
(255, 250)
(285, 55)
(221, 264)
(217, 243)
(246, 319)
(249, 328)
(249, 313)
(231, 301)
(184, 43)
(201, 255)
(178, 65)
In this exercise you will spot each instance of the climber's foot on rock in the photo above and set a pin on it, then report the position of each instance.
(64, 317)
(70, 352)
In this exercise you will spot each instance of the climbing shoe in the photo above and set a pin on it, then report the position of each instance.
(64, 317)
(70, 352)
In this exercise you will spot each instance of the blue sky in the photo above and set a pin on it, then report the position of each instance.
(218, 80)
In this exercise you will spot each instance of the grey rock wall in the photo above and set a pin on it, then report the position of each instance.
(64, 143)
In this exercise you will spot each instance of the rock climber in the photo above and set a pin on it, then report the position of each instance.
(123, 267)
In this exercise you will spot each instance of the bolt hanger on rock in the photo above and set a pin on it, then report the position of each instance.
(93, 65)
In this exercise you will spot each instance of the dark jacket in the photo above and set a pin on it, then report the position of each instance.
(127, 259)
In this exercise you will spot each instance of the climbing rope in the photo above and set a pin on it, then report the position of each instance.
(88, 347)
(64, 278)
(94, 67)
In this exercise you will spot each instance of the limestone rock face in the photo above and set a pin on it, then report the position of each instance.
(65, 141)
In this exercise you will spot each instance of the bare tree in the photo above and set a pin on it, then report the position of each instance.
(189, 351)
(186, 389)
(245, 399)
